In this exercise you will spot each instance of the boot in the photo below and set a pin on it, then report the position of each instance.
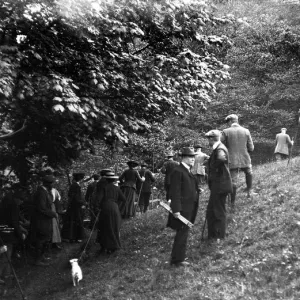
(233, 196)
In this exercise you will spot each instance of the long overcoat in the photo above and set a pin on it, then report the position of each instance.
(239, 143)
(184, 196)
(219, 179)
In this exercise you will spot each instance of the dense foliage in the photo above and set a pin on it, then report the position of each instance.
(85, 70)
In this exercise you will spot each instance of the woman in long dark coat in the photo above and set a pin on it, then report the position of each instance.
(73, 229)
(128, 180)
(110, 218)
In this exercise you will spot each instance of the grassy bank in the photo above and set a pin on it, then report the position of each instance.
(258, 260)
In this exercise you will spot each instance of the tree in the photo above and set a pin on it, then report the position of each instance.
(85, 70)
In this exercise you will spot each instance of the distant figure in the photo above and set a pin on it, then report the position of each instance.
(238, 141)
(220, 185)
(184, 201)
(283, 143)
(73, 229)
(167, 169)
(144, 188)
(199, 169)
(129, 180)
(110, 218)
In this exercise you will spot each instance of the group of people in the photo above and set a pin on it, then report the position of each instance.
(106, 202)
(111, 198)
(230, 155)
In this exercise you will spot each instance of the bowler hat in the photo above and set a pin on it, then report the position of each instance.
(232, 117)
(213, 133)
(132, 163)
(48, 178)
(111, 175)
(187, 151)
(104, 171)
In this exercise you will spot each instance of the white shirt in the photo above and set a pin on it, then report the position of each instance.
(216, 144)
(189, 169)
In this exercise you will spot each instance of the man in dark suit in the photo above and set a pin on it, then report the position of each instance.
(184, 201)
(144, 188)
(167, 169)
(220, 185)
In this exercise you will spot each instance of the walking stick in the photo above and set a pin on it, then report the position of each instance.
(290, 156)
(14, 273)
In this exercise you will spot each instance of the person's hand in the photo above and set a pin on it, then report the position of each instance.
(176, 215)
(23, 236)
(143, 179)
(292, 143)
(83, 206)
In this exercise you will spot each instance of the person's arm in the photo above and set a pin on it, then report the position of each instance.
(224, 138)
(42, 200)
(289, 141)
(121, 197)
(163, 169)
(250, 145)
(151, 176)
(141, 179)
(175, 191)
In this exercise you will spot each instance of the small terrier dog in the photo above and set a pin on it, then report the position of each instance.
(76, 271)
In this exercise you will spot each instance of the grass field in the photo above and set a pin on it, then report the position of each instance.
(259, 259)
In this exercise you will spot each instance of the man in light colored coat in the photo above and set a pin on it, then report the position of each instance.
(283, 143)
(239, 143)
(199, 169)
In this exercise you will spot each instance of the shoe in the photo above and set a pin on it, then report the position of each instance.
(251, 194)
(40, 263)
(180, 264)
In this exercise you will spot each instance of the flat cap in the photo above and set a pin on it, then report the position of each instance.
(231, 117)
(213, 133)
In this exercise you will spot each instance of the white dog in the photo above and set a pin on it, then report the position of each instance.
(76, 271)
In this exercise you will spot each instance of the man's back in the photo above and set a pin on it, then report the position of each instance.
(167, 169)
(239, 143)
(198, 167)
(283, 141)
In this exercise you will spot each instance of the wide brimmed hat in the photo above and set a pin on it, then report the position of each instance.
(132, 163)
(187, 151)
(111, 175)
(48, 178)
(78, 175)
(213, 133)
(104, 171)
(232, 117)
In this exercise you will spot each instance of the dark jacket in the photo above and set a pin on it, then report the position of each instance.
(149, 179)
(9, 216)
(219, 178)
(184, 196)
(43, 213)
(130, 177)
(167, 169)
(110, 193)
(89, 192)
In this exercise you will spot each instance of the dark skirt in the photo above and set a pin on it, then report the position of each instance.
(73, 224)
(127, 208)
(109, 226)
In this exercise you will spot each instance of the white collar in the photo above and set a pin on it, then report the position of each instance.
(216, 144)
(235, 124)
(186, 165)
